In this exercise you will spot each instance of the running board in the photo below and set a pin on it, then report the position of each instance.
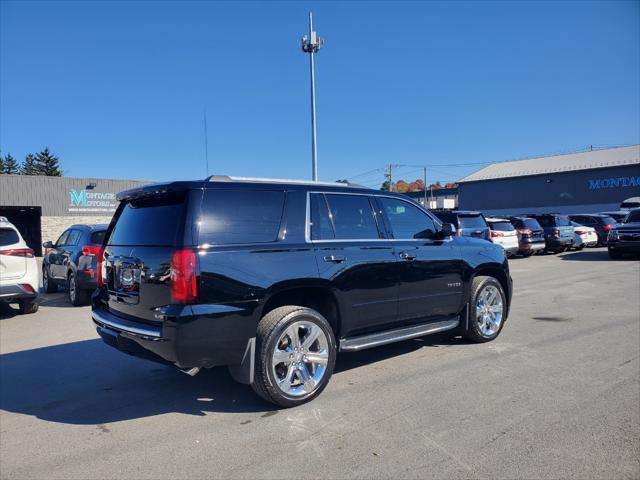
(353, 344)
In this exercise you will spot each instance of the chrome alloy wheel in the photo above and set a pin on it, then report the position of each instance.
(72, 287)
(489, 310)
(299, 360)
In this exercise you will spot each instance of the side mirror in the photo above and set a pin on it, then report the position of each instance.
(48, 245)
(448, 230)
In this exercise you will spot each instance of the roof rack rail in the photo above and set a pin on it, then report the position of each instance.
(228, 178)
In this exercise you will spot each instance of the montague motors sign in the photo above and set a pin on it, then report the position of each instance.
(90, 201)
(617, 182)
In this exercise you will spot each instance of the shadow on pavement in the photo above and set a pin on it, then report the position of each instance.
(8, 311)
(595, 256)
(88, 383)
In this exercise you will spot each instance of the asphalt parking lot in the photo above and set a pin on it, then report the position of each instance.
(557, 395)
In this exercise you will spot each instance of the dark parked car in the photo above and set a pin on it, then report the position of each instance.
(626, 237)
(530, 235)
(467, 223)
(558, 232)
(273, 278)
(602, 224)
(617, 215)
(73, 261)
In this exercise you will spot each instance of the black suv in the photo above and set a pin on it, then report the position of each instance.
(73, 262)
(467, 223)
(273, 278)
(626, 237)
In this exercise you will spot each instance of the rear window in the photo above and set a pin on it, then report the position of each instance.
(240, 216)
(98, 237)
(562, 221)
(531, 224)
(155, 221)
(8, 236)
(606, 220)
(471, 221)
(447, 217)
(501, 226)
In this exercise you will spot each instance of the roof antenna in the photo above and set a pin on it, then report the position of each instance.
(206, 143)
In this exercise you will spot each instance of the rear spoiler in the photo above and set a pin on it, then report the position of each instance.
(152, 190)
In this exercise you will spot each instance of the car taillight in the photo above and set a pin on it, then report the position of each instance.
(28, 288)
(184, 284)
(556, 233)
(525, 231)
(582, 232)
(102, 269)
(18, 252)
(98, 252)
(459, 232)
(608, 227)
(496, 234)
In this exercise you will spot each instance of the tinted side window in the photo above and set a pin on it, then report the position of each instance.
(240, 216)
(352, 217)
(633, 216)
(8, 236)
(546, 221)
(406, 220)
(447, 218)
(73, 238)
(321, 225)
(63, 238)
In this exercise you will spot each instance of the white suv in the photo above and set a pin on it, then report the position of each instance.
(19, 279)
(504, 234)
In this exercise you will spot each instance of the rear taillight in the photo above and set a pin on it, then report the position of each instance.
(102, 269)
(496, 234)
(18, 252)
(582, 232)
(556, 233)
(608, 227)
(98, 252)
(184, 284)
(459, 232)
(28, 288)
(525, 231)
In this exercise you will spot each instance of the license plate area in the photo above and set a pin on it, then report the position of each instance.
(124, 277)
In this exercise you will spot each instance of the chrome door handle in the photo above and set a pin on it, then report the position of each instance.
(335, 258)
(407, 256)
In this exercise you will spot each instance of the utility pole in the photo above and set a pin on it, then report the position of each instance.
(311, 45)
(206, 143)
(389, 177)
(424, 174)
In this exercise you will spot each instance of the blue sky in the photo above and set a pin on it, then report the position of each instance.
(118, 89)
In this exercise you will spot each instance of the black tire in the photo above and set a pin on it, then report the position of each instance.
(47, 284)
(580, 247)
(615, 254)
(473, 331)
(270, 329)
(75, 294)
(28, 305)
(526, 254)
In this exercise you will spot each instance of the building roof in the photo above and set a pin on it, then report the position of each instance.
(609, 157)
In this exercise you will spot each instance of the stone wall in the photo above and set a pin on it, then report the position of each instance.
(52, 227)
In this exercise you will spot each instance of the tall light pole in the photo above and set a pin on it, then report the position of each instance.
(311, 45)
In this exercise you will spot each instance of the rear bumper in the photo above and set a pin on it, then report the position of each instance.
(559, 242)
(87, 279)
(532, 246)
(10, 292)
(187, 336)
(625, 247)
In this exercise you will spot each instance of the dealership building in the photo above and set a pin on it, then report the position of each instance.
(43, 207)
(585, 182)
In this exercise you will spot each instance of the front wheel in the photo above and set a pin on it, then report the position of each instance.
(295, 355)
(487, 310)
(47, 284)
(76, 295)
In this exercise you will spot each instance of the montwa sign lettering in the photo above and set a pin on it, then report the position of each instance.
(617, 182)
(89, 201)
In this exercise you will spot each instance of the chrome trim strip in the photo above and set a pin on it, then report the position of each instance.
(361, 342)
(101, 320)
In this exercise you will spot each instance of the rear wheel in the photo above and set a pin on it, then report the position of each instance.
(47, 284)
(487, 310)
(28, 305)
(76, 295)
(295, 355)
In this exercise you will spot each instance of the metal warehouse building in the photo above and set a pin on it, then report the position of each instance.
(43, 207)
(586, 182)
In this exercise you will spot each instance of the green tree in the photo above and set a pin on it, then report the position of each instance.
(1, 164)
(386, 186)
(47, 164)
(29, 166)
(11, 166)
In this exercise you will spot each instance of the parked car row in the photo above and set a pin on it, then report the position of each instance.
(530, 233)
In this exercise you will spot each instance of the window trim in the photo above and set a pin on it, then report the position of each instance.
(382, 226)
